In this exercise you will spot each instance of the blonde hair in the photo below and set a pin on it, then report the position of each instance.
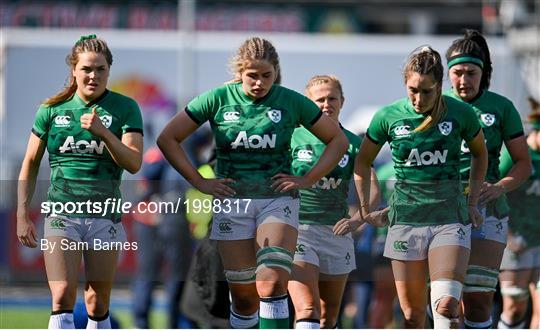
(425, 60)
(254, 49)
(324, 79)
(534, 115)
(85, 44)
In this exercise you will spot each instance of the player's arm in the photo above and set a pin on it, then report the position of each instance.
(375, 191)
(518, 173)
(479, 162)
(169, 141)
(367, 189)
(326, 130)
(364, 177)
(336, 145)
(126, 153)
(26, 231)
(374, 194)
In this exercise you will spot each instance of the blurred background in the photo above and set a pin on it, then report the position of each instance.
(166, 52)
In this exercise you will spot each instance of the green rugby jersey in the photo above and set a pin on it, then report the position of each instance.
(500, 122)
(386, 174)
(253, 137)
(81, 167)
(325, 203)
(525, 201)
(428, 189)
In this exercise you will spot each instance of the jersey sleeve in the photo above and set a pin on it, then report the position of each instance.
(377, 131)
(309, 112)
(505, 162)
(134, 122)
(513, 127)
(357, 142)
(470, 123)
(42, 122)
(202, 108)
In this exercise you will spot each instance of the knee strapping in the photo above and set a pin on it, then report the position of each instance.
(515, 292)
(440, 289)
(242, 276)
(274, 256)
(481, 279)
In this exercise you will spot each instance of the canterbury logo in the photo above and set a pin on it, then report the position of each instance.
(461, 233)
(402, 130)
(61, 121)
(58, 224)
(231, 116)
(300, 248)
(401, 246)
(225, 227)
(305, 155)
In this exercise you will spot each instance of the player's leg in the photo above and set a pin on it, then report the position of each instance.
(303, 285)
(407, 246)
(100, 267)
(381, 310)
(337, 260)
(276, 238)
(487, 247)
(410, 279)
(535, 294)
(448, 256)
(447, 267)
(304, 291)
(331, 288)
(515, 276)
(105, 239)
(238, 258)
(62, 262)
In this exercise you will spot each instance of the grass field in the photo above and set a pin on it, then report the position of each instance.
(33, 318)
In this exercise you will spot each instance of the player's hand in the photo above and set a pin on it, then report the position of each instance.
(92, 123)
(26, 232)
(346, 225)
(216, 187)
(489, 192)
(516, 243)
(378, 218)
(285, 182)
(474, 215)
